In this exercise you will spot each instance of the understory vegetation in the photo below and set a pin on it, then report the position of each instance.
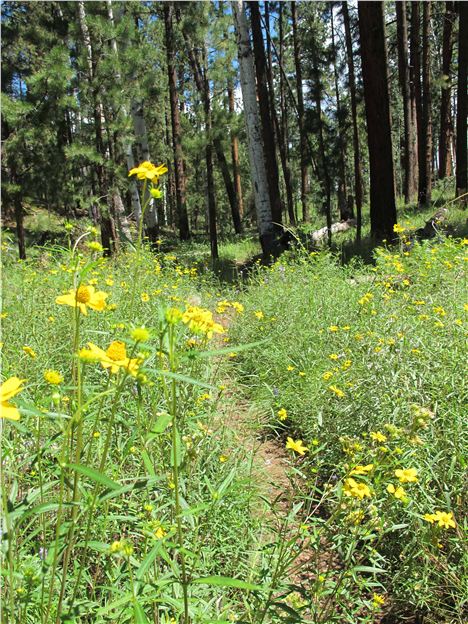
(129, 492)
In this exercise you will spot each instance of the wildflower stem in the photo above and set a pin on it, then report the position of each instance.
(175, 471)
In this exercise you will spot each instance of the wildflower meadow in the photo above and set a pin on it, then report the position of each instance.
(136, 394)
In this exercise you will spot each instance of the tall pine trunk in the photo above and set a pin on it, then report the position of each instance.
(179, 173)
(425, 163)
(279, 136)
(300, 115)
(108, 233)
(445, 133)
(379, 135)
(203, 87)
(265, 114)
(410, 147)
(342, 186)
(356, 143)
(415, 81)
(323, 162)
(254, 133)
(461, 171)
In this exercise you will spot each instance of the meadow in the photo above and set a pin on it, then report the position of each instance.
(137, 392)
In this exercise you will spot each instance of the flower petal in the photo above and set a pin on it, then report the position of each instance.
(9, 411)
(10, 387)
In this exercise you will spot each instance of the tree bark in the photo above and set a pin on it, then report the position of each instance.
(179, 173)
(108, 233)
(461, 163)
(203, 87)
(410, 146)
(254, 136)
(300, 116)
(356, 144)
(415, 82)
(377, 101)
(425, 163)
(239, 213)
(280, 138)
(323, 165)
(445, 135)
(342, 186)
(265, 115)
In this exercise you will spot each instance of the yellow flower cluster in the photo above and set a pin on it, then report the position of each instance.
(114, 358)
(444, 519)
(224, 305)
(356, 489)
(200, 321)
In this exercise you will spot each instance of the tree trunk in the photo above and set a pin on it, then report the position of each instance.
(342, 186)
(377, 101)
(410, 146)
(323, 166)
(19, 214)
(254, 136)
(108, 232)
(300, 115)
(356, 145)
(278, 134)
(239, 213)
(461, 171)
(415, 82)
(179, 173)
(445, 136)
(425, 163)
(265, 115)
(203, 87)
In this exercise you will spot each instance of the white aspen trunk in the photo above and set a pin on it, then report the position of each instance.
(253, 127)
(143, 153)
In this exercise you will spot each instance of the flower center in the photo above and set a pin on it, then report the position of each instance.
(116, 351)
(83, 295)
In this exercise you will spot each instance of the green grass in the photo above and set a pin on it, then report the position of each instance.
(124, 492)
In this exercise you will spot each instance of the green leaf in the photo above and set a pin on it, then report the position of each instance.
(139, 614)
(161, 424)
(227, 581)
(179, 377)
(369, 569)
(95, 475)
(148, 560)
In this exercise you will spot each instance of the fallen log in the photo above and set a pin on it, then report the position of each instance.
(341, 226)
(431, 227)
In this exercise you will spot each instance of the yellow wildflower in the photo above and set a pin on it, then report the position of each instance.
(407, 475)
(30, 351)
(84, 297)
(53, 377)
(327, 375)
(200, 321)
(339, 393)
(282, 414)
(362, 470)
(259, 314)
(148, 171)
(398, 492)
(8, 389)
(378, 436)
(144, 297)
(357, 490)
(114, 358)
(377, 599)
(139, 334)
(296, 446)
(333, 328)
